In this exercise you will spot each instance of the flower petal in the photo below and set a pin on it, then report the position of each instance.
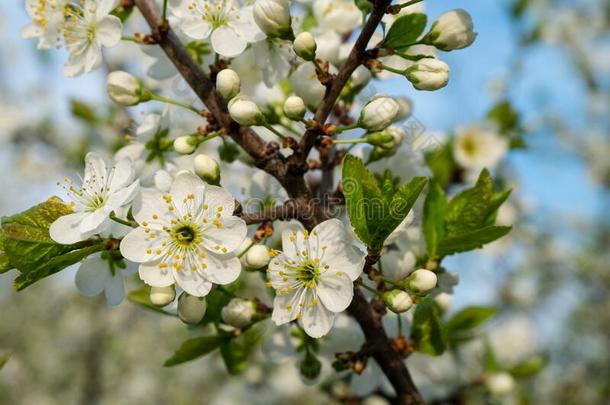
(340, 253)
(336, 291)
(226, 42)
(149, 207)
(196, 28)
(293, 240)
(115, 289)
(122, 196)
(186, 184)
(317, 320)
(65, 229)
(221, 269)
(286, 307)
(193, 282)
(95, 169)
(92, 275)
(244, 25)
(226, 235)
(218, 201)
(121, 174)
(109, 31)
(139, 247)
(94, 222)
(155, 276)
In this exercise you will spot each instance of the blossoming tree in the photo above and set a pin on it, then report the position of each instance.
(286, 87)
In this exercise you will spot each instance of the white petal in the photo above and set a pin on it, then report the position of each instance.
(219, 201)
(102, 7)
(195, 27)
(227, 237)
(221, 269)
(243, 23)
(31, 30)
(95, 168)
(109, 31)
(92, 275)
(317, 320)
(149, 207)
(115, 288)
(192, 282)
(286, 307)
(226, 42)
(292, 239)
(163, 180)
(122, 196)
(94, 222)
(137, 245)
(185, 184)
(93, 57)
(65, 229)
(340, 253)
(134, 151)
(122, 174)
(155, 276)
(335, 291)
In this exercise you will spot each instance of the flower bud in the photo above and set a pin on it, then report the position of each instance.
(245, 111)
(428, 74)
(310, 367)
(378, 114)
(388, 139)
(125, 89)
(305, 46)
(257, 257)
(421, 281)
(294, 108)
(161, 296)
(207, 168)
(273, 17)
(238, 313)
(500, 383)
(406, 108)
(227, 83)
(191, 309)
(397, 301)
(185, 145)
(452, 30)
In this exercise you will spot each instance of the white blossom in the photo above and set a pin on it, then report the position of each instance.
(479, 146)
(103, 190)
(341, 16)
(187, 236)
(47, 21)
(314, 275)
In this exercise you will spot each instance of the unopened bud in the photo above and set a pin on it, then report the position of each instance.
(239, 313)
(294, 108)
(207, 168)
(245, 111)
(162, 296)
(397, 301)
(421, 281)
(310, 366)
(257, 257)
(378, 114)
(452, 30)
(191, 309)
(185, 145)
(305, 46)
(273, 17)
(227, 83)
(125, 89)
(428, 74)
(500, 383)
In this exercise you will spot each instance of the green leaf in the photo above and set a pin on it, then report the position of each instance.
(363, 197)
(228, 152)
(194, 348)
(405, 30)
(468, 210)
(400, 205)
(426, 330)
(4, 359)
(471, 240)
(5, 264)
(55, 265)
(529, 367)
(142, 298)
(235, 356)
(434, 218)
(366, 6)
(504, 116)
(461, 325)
(490, 361)
(84, 112)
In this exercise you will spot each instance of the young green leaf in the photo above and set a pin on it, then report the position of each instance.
(235, 356)
(490, 361)
(194, 348)
(529, 367)
(471, 240)
(461, 326)
(5, 264)
(434, 218)
(426, 329)
(405, 30)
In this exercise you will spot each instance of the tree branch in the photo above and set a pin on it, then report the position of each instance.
(282, 212)
(354, 60)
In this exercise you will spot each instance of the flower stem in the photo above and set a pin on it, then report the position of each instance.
(113, 217)
(371, 289)
(391, 69)
(399, 324)
(289, 128)
(164, 13)
(275, 131)
(353, 140)
(338, 130)
(129, 38)
(174, 102)
(319, 68)
(409, 3)
(246, 250)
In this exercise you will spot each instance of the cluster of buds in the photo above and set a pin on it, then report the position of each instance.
(125, 89)
(418, 283)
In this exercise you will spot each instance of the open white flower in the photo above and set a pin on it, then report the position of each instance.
(314, 275)
(47, 21)
(102, 191)
(477, 147)
(229, 27)
(95, 275)
(342, 16)
(273, 57)
(187, 236)
(87, 29)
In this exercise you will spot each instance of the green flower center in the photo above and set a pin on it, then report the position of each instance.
(308, 272)
(185, 234)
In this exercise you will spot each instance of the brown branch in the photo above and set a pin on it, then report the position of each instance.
(355, 59)
(283, 212)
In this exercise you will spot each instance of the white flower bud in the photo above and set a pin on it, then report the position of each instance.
(238, 313)
(257, 257)
(185, 145)
(161, 296)
(397, 301)
(452, 30)
(207, 168)
(273, 17)
(378, 114)
(227, 83)
(125, 89)
(421, 281)
(428, 74)
(294, 108)
(245, 111)
(305, 46)
(191, 309)
(406, 108)
(500, 383)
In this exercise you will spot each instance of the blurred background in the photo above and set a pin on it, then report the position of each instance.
(550, 279)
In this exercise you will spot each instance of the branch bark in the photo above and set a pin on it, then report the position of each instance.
(289, 171)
